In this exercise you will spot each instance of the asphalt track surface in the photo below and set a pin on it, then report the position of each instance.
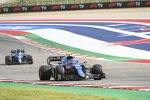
(117, 73)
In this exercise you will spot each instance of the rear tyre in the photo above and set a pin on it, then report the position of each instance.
(29, 59)
(59, 72)
(97, 69)
(7, 60)
(45, 73)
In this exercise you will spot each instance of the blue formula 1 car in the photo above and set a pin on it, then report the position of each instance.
(18, 57)
(68, 68)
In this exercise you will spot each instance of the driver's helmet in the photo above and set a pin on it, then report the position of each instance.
(69, 56)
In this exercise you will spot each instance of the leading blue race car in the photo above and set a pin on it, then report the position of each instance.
(69, 69)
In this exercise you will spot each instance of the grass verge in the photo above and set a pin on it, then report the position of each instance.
(18, 91)
(15, 93)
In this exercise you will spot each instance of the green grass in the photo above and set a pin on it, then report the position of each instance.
(53, 2)
(17, 91)
(11, 93)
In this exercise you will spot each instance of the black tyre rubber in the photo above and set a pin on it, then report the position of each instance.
(59, 70)
(45, 73)
(8, 60)
(29, 59)
(97, 69)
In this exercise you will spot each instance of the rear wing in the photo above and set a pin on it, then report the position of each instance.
(15, 51)
(53, 59)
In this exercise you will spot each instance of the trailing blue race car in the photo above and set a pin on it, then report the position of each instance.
(18, 57)
(68, 68)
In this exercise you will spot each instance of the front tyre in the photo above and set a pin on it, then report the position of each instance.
(97, 69)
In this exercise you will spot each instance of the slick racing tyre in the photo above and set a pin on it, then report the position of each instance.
(59, 72)
(29, 59)
(7, 60)
(97, 69)
(45, 73)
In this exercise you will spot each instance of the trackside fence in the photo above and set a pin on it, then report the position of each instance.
(75, 6)
(14, 3)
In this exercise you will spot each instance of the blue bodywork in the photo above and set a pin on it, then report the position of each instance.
(73, 63)
(19, 56)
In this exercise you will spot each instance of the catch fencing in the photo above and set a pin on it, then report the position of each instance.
(61, 5)
(15, 3)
